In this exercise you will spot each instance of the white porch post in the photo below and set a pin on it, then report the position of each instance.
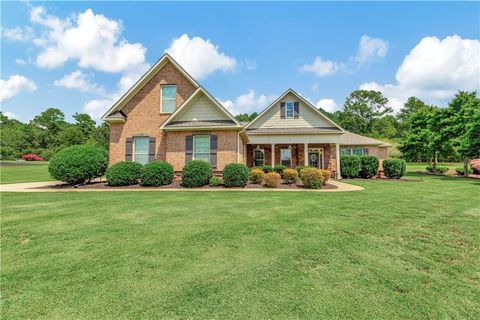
(273, 155)
(337, 151)
(305, 152)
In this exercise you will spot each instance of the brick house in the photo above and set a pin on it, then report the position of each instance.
(168, 116)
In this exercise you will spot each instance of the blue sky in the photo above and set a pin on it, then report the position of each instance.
(245, 54)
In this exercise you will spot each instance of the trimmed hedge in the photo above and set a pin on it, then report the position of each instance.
(300, 168)
(196, 173)
(124, 173)
(312, 178)
(279, 168)
(235, 175)
(368, 166)
(349, 166)
(215, 181)
(256, 176)
(272, 180)
(157, 173)
(438, 169)
(461, 171)
(290, 176)
(79, 164)
(267, 168)
(326, 175)
(394, 168)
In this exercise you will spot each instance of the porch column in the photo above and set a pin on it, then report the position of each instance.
(273, 154)
(305, 154)
(337, 151)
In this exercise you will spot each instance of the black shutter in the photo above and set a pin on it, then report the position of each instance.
(151, 149)
(296, 109)
(213, 151)
(282, 110)
(188, 148)
(128, 149)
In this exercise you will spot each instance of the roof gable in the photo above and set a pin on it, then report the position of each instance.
(127, 96)
(309, 116)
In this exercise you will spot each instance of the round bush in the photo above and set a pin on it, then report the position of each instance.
(326, 175)
(349, 166)
(368, 166)
(272, 180)
(214, 181)
(279, 168)
(256, 176)
(196, 173)
(394, 168)
(78, 164)
(124, 173)
(290, 176)
(235, 175)
(267, 168)
(300, 168)
(156, 173)
(312, 178)
(438, 169)
(461, 171)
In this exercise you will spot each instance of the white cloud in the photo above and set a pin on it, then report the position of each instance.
(322, 67)
(10, 115)
(18, 33)
(91, 39)
(78, 80)
(20, 62)
(434, 71)
(200, 57)
(96, 108)
(247, 103)
(370, 48)
(14, 85)
(328, 105)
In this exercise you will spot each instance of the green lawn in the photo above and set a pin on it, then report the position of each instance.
(420, 166)
(397, 250)
(15, 172)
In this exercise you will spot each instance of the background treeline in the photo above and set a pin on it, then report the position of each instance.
(47, 133)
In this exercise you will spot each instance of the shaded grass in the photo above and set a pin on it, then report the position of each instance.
(34, 171)
(396, 250)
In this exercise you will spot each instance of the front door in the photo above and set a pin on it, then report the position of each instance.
(315, 158)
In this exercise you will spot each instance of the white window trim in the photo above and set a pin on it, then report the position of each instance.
(286, 110)
(351, 151)
(133, 147)
(161, 98)
(263, 152)
(320, 153)
(281, 161)
(209, 146)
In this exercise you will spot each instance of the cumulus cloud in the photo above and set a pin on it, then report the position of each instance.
(247, 103)
(14, 85)
(368, 49)
(18, 33)
(10, 115)
(200, 57)
(78, 80)
(327, 104)
(434, 71)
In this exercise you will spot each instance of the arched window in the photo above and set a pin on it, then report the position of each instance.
(258, 157)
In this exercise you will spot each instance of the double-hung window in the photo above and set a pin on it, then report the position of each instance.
(169, 97)
(286, 157)
(289, 110)
(141, 149)
(354, 151)
(201, 147)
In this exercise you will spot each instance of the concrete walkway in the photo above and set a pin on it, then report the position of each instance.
(44, 187)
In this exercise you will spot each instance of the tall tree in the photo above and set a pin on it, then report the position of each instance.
(50, 122)
(85, 123)
(361, 109)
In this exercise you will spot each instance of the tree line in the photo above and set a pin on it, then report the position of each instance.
(47, 133)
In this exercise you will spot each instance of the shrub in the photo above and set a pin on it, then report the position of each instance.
(32, 157)
(349, 166)
(461, 171)
(300, 168)
(312, 178)
(235, 175)
(290, 176)
(394, 168)
(124, 173)
(368, 166)
(215, 181)
(157, 173)
(326, 175)
(256, 176)
(438, 169)
(475, 165)
(272, 180)
(279, 168)
(267, 168)
(78, 164)
(196, 173)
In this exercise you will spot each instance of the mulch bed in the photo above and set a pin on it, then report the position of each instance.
(101, 185)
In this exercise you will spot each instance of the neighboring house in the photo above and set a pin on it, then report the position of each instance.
(168, 116)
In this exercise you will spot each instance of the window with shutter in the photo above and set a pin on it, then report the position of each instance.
(141, 149)
(201, 147)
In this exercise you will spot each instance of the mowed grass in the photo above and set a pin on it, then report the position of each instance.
(397, 250)
(421, 166)
(16, 172)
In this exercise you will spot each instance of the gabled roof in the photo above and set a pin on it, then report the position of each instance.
(171, 122)
(305, 101)
(166, 58)
(350, 138)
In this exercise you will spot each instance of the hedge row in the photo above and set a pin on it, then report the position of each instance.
(367, 167)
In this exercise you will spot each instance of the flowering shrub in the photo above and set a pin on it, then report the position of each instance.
(312, 178)
(272, 180)
(290, 176)
(475, 165)
(32, 157)
(256, 176)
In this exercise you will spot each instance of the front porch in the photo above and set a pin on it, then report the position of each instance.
(320, 155)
